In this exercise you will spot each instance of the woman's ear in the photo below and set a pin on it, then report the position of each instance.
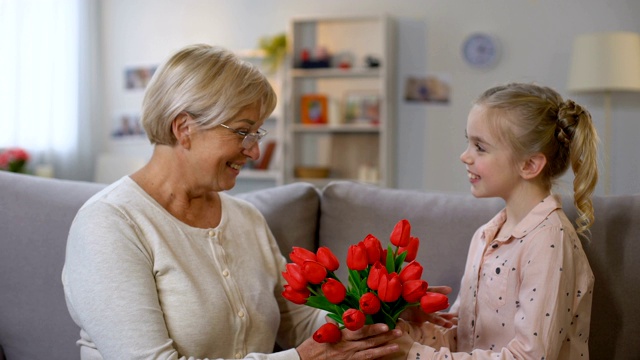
(180, 126)
(533, 166)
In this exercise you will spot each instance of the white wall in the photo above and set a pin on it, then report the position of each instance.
(536, 39)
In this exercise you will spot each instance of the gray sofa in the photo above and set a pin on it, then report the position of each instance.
(35, 214)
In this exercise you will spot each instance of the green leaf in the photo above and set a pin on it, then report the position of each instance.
(355, 282)
(337, 318)
(400, 261)
(390, 261)
(320, 302)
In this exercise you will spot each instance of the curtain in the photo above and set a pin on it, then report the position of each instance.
(48, 81)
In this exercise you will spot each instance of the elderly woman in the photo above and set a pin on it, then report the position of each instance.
(163, 265)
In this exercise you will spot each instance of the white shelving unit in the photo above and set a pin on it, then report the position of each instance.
(350, 149)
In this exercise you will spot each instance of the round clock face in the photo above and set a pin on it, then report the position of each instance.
(480, 50)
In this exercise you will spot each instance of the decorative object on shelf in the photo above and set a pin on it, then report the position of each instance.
(481, 50)
(380, 286)
(14, 160)
(312, 172)
(372, 61)
(604, 63)
(320, 59)
(275, 49)
(314, 109)
(362, 107)
(344, 60)
(267, 154)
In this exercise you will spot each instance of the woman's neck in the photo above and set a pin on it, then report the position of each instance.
(164, 180)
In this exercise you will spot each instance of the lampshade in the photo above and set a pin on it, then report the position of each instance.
(605, 62)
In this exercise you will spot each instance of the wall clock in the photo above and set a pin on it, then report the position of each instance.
(481, 50)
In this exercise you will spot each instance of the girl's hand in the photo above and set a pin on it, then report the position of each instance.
(370, 342)
(415, 314)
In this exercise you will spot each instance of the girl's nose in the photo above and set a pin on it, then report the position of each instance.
(464, 157)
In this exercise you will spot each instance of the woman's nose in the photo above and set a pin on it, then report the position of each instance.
(253, 152)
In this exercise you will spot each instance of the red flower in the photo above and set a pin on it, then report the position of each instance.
(374, 249)
(413, 271)
(328, 333)
(334, 291)
(357, 257)
(314, 272)
(296, 297)
(327, 258)
(432, 302)
(375, 273)
(299, 255)
(294, 276)
(411, 249)
(353, 319)
(369, 303)
(389, 288)
(414, 290)
(400, 235)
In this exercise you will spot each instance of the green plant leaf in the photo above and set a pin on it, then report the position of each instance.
(390, 263)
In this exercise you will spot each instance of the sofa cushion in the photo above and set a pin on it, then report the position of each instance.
(613, 252)
(292, 213)
(444, 223)
(35, 216)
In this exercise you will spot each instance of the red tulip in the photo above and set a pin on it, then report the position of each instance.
(314, 272)
(327, 258)
(432, 302)
(328, 333)
(414, 290)
(298, 255)
(411, 249)
(400, 235)
(413, 271)
(353, 319)
(294, 277)
(374, 249)
(357, 257)
(296, 297)
(375, 273)
(369, 303)
(334, 291)
(389, 288)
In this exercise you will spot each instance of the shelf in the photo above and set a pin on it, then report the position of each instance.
(335, 73)
(259, 174)
(357, 133)
(336, 128)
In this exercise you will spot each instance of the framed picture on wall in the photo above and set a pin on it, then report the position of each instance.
(314, 109)
(362, 107)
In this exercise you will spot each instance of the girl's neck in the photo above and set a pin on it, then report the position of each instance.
(520, 204)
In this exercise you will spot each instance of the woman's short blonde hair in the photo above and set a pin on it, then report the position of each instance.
(210, 83)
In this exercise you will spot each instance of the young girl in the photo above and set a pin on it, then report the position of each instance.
(526, 291)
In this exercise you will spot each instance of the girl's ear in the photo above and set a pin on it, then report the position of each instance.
(533, 166)
(180, 126)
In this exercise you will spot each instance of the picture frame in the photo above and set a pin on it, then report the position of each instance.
(314, 109)
(362, 107)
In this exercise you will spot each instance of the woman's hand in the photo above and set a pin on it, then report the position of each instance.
(370, 342)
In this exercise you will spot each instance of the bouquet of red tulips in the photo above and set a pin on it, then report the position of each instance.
(380, 285)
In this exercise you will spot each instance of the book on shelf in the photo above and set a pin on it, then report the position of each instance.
(265, 159)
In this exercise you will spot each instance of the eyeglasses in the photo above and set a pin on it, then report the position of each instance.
(249, 139)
